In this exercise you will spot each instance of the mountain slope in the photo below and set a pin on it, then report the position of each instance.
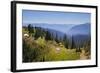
(83, 29)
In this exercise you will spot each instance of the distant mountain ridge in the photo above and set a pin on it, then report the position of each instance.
(58, 27)
(84, 29)
(69, 29)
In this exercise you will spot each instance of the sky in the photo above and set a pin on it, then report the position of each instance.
(55, 17)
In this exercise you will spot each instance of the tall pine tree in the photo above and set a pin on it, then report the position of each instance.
(73, 43)
(30, 29)
(65, 41)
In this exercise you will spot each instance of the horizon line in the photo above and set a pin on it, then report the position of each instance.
(59, 23)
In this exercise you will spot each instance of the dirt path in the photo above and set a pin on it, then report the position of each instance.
(82, 55)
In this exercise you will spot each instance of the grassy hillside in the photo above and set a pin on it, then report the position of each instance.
(41, 47)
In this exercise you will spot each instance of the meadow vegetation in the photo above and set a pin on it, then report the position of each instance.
(41, 46)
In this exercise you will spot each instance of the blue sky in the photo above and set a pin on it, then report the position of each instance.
(54, 17)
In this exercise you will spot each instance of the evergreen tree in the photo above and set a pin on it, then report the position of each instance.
(72, 43)
(88, 46)
(57, 39)
(30, 28)
(65, 41)
(37, 33)
(48, 35)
